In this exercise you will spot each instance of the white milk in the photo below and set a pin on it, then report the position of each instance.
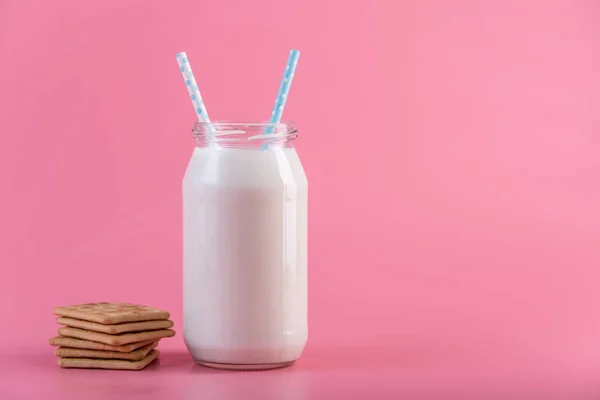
(245, 256)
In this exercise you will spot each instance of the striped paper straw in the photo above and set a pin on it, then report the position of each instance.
(192, 87)
(284, 88)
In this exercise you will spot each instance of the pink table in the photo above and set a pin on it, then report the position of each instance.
(364, 371)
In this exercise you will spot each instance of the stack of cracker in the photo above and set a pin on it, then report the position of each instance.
(110, 335)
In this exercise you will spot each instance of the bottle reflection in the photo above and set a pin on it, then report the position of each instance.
(281, 384)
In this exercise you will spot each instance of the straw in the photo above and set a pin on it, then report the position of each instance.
(284, 89)
(190, 82)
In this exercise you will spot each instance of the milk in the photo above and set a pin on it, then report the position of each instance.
(245, 256)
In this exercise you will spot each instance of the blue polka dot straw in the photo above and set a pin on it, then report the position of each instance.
(192, 87)
(284, 90)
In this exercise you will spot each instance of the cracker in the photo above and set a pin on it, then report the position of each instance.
(86, 344)
(115, 329)
(116, 340)
(112, 313)
(108, 364)
(136, 355)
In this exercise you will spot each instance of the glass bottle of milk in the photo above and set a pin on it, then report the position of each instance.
(245, 247)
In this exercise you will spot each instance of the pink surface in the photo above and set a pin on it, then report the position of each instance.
(452, 150)
(373, 372)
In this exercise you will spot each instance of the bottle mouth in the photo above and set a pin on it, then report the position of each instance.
(221, 132)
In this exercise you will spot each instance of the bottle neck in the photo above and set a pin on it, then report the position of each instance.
(244, 135)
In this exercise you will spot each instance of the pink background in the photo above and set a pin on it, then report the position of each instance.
(452, 149)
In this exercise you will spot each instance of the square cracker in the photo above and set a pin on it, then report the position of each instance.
(86, 344)
(108, 364)
(136, 355)
(115, 328)
(116, 340)
(112, 313)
